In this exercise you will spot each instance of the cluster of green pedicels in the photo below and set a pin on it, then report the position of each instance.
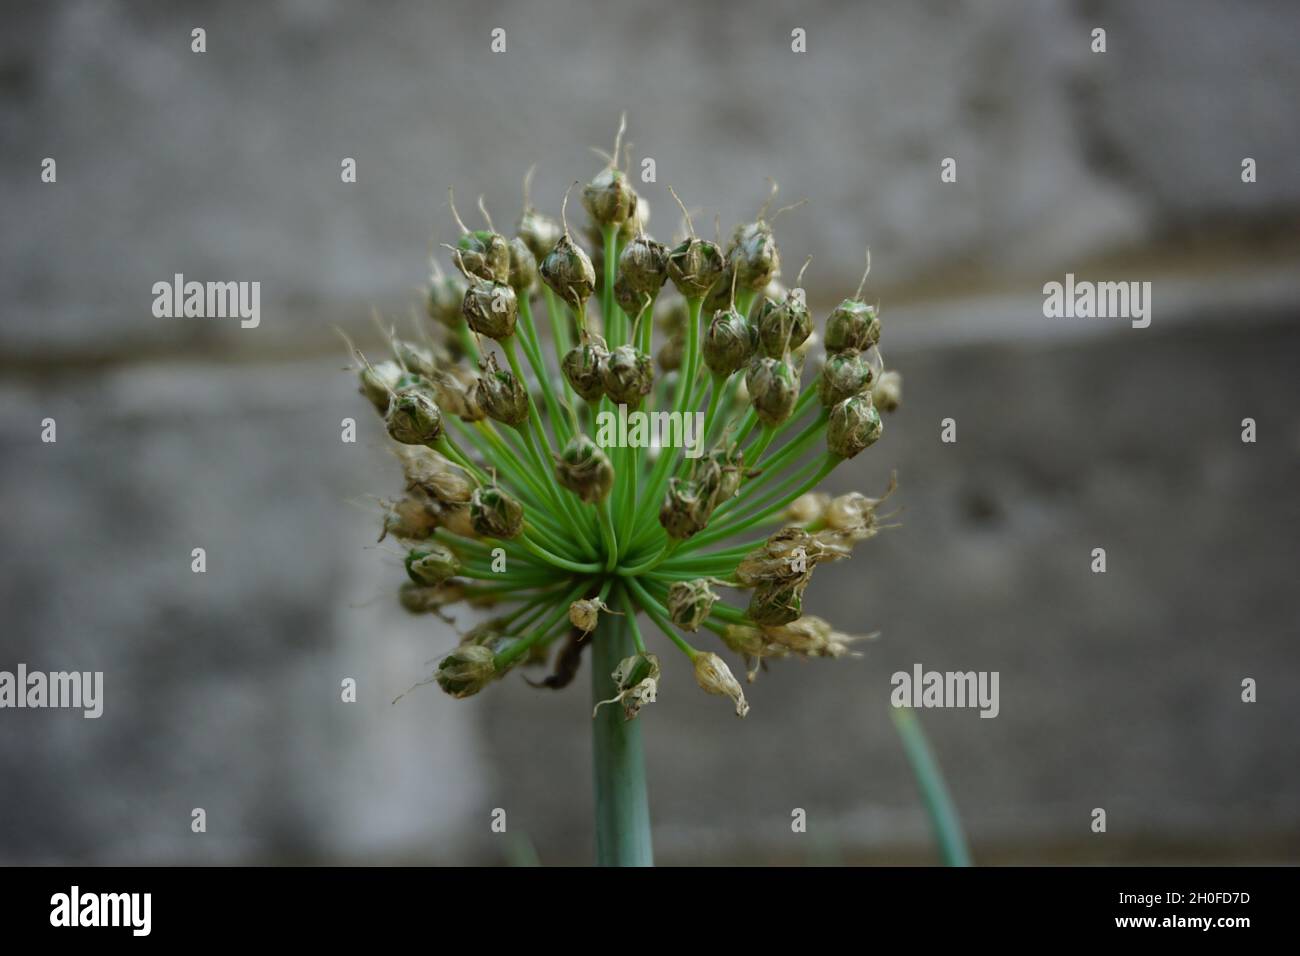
(512, 503)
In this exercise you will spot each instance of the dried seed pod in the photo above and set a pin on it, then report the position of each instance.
(419, 599)
(844, 374)
(730, 460)
(786, 555)
(539, 232)
(443, 303)
(584, 368)
(643, 266)
(483, 255)
(628, 376)
(568, 271)
(410, 518)
(466, 670)
(729, 342)
(807, 508)
(456, 519)
(491, 309)
(715, 677)
(455, 397)
(584, 469)
(609, 198)
(686, 508)
(777, 602)
(783, 326)
(502, 395)
(523, 267)
(689, 603)
(813, 636)
(431, 564)
(495, 514)
(854, 425)
(378, 383)
(753, 255)
(694, 266)
(773, 388)
(584, 614)
(413, 417)
(637, 679)
(887, 393)
(629, 299)
(853, 325)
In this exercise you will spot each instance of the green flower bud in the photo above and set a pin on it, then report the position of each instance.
(502, 395)
(484, 255)
(694, 266)
(491, 309)
(844, 374)
(523, 267)
(637, 679)
(494, 514)
(853, 325)
(446, 293)
(777, 602)
(754, 255)
(413, 417)
(609, 198)
(431, 564)
(854, 425)
(887, 393)
(584, 368)
(628, 376)
(643, 265)
(568, 271)
(539, 232)
(584, 469)
(715, 677)
(783, 326)
(728, 342)
(378, 383)
(419, 599)
(689, 603)
(773, 388)
(686, 508)
(466, 670)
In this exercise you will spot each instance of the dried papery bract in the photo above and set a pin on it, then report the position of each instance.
(715, 677)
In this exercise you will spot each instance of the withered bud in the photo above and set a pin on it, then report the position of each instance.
(495, 514)
(786, 555)
(446, 293)
(568, 271)
(730, 460)
(853, 325)
(378, 383)
(415, 359)
(584, 468)
(629, 299)
(584, 368)
(777, 602)
(410, 517)
(455, 397)
(750, 641)
(609, 198)
(539, 232)
(523, 267)
(448, 487)
(686, 508)
(689, 603)
(813, 636)
(466, 670)
(413, 417)
(807, 508)
(773, 388)
(431, 564)
(715, 677)
(729, 342)
(845, 373)
(694, 266)
(854, 425)
(643, 265)
(484, 255)
(584, 614)
(783, 326)
(637, 679)
(887, 393)
(628, 376)
(502, 395)
(754, 255)
(491, 309)
(420, 599)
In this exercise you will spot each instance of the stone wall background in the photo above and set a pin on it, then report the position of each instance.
(1119, 691)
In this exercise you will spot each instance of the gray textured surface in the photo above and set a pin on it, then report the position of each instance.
(1119, 690)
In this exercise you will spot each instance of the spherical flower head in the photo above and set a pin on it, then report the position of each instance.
(854, 426)
(844, 374)
(413, 417)
(783, 326)
(637, 679)
(729, 342)
(643, 265)
(484, 255)
(446, 293)
(689, 603)
(629, 375)
(686, 509)
(431, 564)
(466, 670)
(585, 469)
(502, 395)
(773, 388)
(584, 368)
(715, 677)
(523, 267)
(754, 255)
(853, 325)
(539, 232)
(491, 309)
(694, 266)
(568, 271)
(887, 393)
(609, 198)
(495, 514)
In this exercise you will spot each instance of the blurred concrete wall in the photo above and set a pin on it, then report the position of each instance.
(1119, 690)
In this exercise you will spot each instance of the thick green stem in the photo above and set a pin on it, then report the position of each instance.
(622, 810)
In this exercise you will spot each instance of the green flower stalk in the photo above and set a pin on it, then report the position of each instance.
(512, 503)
